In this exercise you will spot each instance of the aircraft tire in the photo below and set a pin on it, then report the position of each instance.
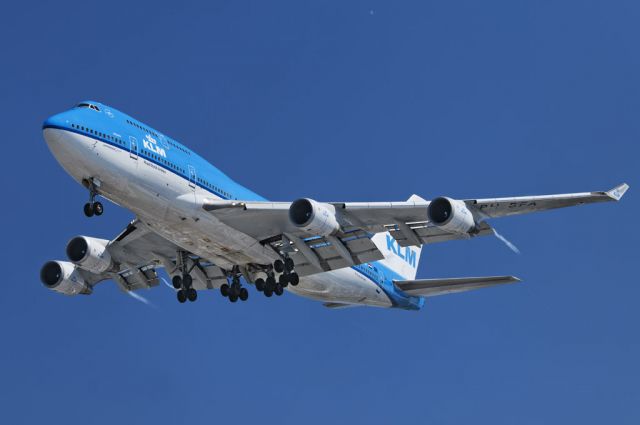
(176, 281)
(88, 210)
(288, 264)
(182, 296)
(192, 294)
(271, 283)
(278, 266)
(244, 294)
(98, 209)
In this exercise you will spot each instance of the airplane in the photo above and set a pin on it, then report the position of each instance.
(210, 233)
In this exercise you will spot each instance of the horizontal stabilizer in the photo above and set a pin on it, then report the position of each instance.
(433, 287)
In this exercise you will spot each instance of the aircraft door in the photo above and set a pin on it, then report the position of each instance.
(133, 147)
(192, 176)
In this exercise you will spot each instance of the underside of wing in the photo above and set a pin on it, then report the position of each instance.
(268, 223)
(501, 207)
(411, 223)
(433, 287)
(138, 251)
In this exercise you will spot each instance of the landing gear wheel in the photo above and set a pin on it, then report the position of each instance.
(288, 264)
(182, 296)
(88, 210)
(259, 284)
(187, 280)
(294, 279)
(283, 280)
(268, 292)
(233, 297)
(278, 266)
(192, 294)
(98, 209)
(176, 281)
(271, 283)
(244, 294)
(224, 290)
(278, 289)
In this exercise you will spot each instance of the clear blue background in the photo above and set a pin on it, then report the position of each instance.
(364, 100)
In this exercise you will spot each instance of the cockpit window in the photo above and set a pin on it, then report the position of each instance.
(88, 105)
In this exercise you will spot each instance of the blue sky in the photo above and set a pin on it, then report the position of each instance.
(362, 100)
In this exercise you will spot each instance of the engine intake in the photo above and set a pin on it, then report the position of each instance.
(89, 253)
(63, 277)
(451, 215)
(314, 217)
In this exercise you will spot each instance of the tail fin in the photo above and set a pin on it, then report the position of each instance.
(401, 260)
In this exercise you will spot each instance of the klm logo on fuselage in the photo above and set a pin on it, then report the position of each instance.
(151, 144)
(405, 253)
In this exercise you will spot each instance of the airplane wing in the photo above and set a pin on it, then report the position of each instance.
(137, 252)
(433, 287)
(411, 222)
(501, 207)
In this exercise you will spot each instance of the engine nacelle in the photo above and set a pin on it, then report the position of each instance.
(451, 215)
(89, 253)
(314, 217)
(63, 277)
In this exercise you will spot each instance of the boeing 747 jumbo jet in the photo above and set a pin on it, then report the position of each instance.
(209, 232)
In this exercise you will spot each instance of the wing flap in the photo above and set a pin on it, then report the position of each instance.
(428, 234)
(434, 287)
(322, 255)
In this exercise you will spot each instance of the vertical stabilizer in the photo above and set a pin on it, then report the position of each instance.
(402, 260)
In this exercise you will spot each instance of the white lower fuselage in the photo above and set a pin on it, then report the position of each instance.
(169, 205)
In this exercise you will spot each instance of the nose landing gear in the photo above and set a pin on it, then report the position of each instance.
(92, 207)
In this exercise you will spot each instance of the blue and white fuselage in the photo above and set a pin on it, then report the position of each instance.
(164, 184)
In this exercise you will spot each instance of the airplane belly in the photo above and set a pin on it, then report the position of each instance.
(341, 286)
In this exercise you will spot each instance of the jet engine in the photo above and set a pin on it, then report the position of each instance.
(314, 217)
(451, 215)
(89, 253)
(63, 277)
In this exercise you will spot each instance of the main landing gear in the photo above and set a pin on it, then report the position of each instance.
(184, 283)
(234, 289)
(270, 286)
(92, 207)
(185, 291)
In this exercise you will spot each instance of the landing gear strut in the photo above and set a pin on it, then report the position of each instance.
(184, 283)
(271, 285)
(234, 289)
(92, 207)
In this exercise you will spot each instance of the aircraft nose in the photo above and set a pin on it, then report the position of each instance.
(55, 121)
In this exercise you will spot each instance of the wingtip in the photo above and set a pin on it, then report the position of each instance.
(618, 192)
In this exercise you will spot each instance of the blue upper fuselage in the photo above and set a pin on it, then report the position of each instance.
(122, 131)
